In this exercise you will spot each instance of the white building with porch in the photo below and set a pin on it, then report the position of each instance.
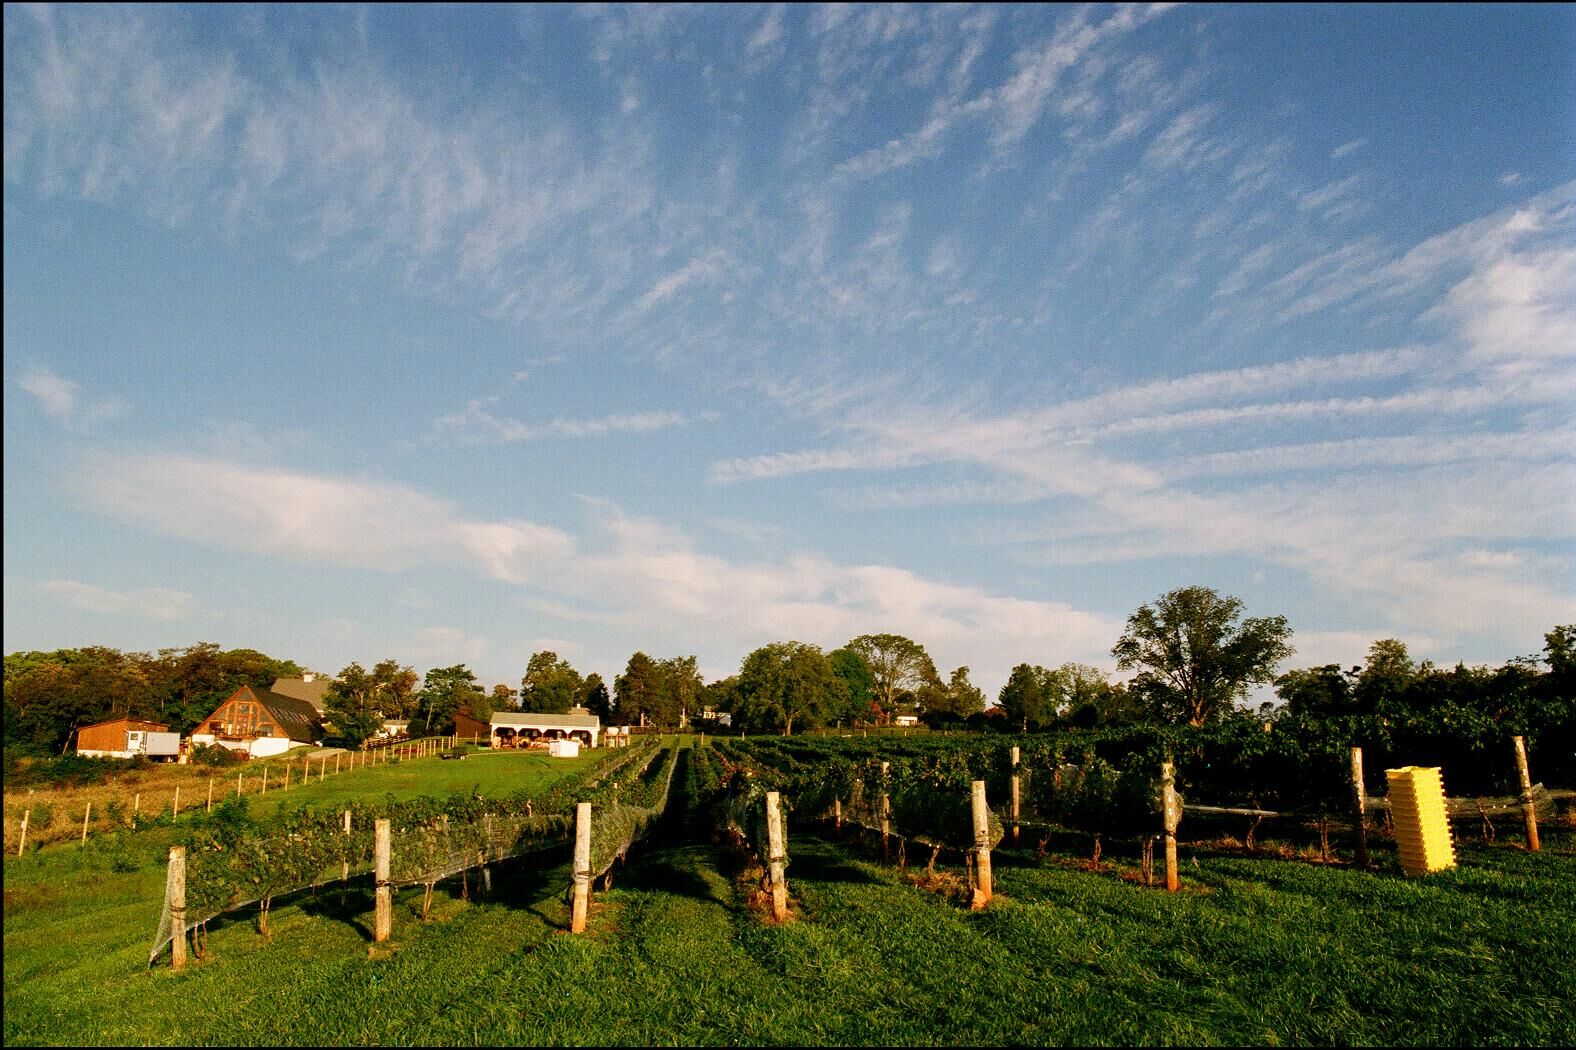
(518, 729)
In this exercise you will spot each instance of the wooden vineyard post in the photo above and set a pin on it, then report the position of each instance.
(175, 890)
(777, 855)
(336, 765)
(982, 875)
(85, 814)
(265, 781)
(886, 810)
(383, 920)
(210, 794)
(27, 815)
(136, 808)
(240, 784)
(322, 770)
(1529, 810)
(175, 804)
(344, 871)
(287, 775)
(1359, 807)
(1171, 813)
(582, 888)
(837, 813)
(1017, 794)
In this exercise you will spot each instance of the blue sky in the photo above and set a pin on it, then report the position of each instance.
(454, 334)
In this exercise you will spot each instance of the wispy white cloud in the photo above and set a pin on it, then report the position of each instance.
(158, 603)
(61, 399)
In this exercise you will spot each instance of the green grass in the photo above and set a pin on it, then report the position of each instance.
(490, 773)
(1254, 951)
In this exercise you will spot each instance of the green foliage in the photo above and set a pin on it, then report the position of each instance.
(899, 666)
(786, 684)
(551, 685)
(70, 770)
(1194, 659)
(1030, 697)
(443, 693)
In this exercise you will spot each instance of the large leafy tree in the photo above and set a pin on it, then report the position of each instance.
(444, 691)
(681, 688)
(784, 684)
(859, 686)
(956, 700)
(1090, 699)
(1030, 696)
(637, 691)
(551, 685)
(595, 698)
(899, 666)
(1194, 658)
(352, 705)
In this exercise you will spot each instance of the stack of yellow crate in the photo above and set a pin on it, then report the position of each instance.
(1422, 829)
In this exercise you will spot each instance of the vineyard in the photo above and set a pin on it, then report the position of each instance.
(807, 890)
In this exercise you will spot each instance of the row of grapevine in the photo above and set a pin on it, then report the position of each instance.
(234, 861)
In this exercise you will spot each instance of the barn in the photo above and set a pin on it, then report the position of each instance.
(514, 729)
(261, 723)
(128, 738)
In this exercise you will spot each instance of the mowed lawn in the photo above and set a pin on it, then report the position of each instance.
(1255, 951)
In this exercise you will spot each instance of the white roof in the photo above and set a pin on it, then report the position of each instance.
(530, 720)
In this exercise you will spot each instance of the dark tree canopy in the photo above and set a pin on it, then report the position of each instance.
(550, 686)
(785, 684)
(1194, 659)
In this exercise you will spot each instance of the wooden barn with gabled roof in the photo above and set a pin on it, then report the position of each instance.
(261, 723)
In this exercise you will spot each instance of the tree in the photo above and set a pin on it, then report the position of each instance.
(1030, 696)
(594, 697)
(785, 683)
(550, 686)
(859, 686)
(1385, 678)
(445, 691)
(637, 690)
(681, 686)
(898, 665)
(1089, 699)
(1194, 659)
(353, 706)
(955, 701)
(396, 688)
(503, 698)
(1317, 692)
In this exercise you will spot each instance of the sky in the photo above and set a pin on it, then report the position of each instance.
(454, 334)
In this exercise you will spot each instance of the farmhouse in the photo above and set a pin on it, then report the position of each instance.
(520, 728)
(308, 687)
(261, 723)
(128, 738)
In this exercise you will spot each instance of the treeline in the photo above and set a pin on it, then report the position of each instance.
(48, 695)
(1193, 656)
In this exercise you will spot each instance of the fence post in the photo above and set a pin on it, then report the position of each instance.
(265, 780)
(344, 870)
(175, 804)
(240, 784)
(85, 814)
(776, 855)
(886, 810)
(336, 765)
(1171, 812)
(175, 889)
(1529, 809)
(837, 814)
(383, 921)
(26, 816)
(1017, 794)
(322, 770)
(1360, 806)
(982, 875)
(582, 887)
(136, 806)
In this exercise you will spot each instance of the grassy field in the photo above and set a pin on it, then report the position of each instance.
(57, 811)
(1255, 951)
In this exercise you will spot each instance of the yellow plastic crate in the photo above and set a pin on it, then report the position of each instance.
(1422, 829)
